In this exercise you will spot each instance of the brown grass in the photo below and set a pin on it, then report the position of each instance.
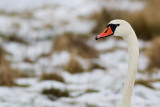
(145, 83)
(14, 38)
(27, 60)
(146, 22)
(154, 53)
(7, 74)
(89, 90)
(24, 14)
(103, 18)
(95, 66)
(48, 26)
(74, 66)
(74, 44)
(141, 26)
(90, 105)
(52, 76)
(54, 93)
(23, 74)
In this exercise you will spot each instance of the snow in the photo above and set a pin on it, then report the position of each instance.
(124, 5)
(144, 95)
(107, 44)
(143, 62)
(21, 51)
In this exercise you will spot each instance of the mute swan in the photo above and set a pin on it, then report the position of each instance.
(123, 29)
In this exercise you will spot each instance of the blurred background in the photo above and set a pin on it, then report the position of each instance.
(49, 57)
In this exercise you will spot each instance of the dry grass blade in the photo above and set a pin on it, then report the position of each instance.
(96, 66)
(147, 82)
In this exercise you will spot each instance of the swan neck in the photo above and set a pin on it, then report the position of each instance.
(133, 53)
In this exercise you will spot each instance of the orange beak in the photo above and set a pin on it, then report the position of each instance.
(107, 32)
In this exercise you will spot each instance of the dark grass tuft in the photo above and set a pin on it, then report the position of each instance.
(52, 76)
(54, 94)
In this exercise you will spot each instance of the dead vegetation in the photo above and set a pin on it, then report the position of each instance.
(54, 94)
(48, 26)
(52, 76)
(7, 74)
(13, 38)
(141, 26)
(74, 44)
(90, 105)
(146, 22)
(103, 18)
(144, 83)
(89, 90)
(147, 83)
(154, 54)
(27, 60)
(24, 74)
(96, 66)
(24, 14)
(74, 66)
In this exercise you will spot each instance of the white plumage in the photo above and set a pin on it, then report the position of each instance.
(123, 29)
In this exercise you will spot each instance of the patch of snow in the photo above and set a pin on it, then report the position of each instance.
(124, 5)
(109, 43)
(143, 97)
(143, 62)
(21, 51)
(59, 59)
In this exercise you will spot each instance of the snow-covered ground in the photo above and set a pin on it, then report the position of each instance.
(106, 94)
(38, 22)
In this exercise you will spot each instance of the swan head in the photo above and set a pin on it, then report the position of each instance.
(116, 27)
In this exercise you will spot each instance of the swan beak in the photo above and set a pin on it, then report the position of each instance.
(107, 32)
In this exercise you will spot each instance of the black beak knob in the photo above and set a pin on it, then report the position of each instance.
(96, 38)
